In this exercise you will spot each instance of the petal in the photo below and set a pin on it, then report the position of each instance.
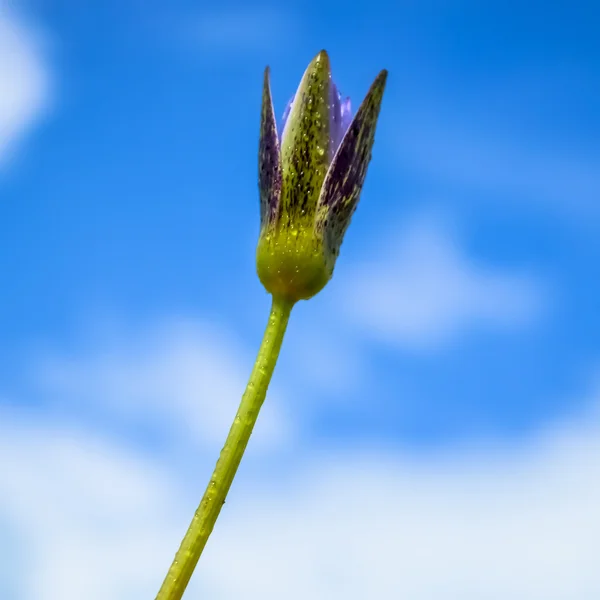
(346, 109)
(269, 164)
(346, 175)
(335, 120)
(305, 142)
(286, 114)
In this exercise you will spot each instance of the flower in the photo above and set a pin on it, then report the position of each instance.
(311, 174)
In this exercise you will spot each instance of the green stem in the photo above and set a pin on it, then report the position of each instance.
(207, 512)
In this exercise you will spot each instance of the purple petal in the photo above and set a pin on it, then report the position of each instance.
(335, 120)
(340, 117)
(346, 175)
(346, 111)
(286, 114)
(269, 163)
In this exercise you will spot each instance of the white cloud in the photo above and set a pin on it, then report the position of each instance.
(422, 291)
(24, 82)
(525, 528)
(96, 520)
(519, 523)
(89, 519)
(185, 374)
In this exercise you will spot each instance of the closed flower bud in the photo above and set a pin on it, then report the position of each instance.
(311, 174)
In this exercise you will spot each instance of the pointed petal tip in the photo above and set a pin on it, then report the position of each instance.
(267, 84)
(321, 60)
(377, 87)
(381, 77)
(269, 169)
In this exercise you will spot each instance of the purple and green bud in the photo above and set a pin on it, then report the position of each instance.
(311, 172)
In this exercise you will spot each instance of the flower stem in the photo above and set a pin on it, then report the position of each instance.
(207, 512)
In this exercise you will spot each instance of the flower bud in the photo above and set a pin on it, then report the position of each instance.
(310, 179)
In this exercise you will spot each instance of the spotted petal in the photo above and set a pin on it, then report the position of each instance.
(346, 175)
(269, 163)
(305, 143)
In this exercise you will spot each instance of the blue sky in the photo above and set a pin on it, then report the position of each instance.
(442, 392)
